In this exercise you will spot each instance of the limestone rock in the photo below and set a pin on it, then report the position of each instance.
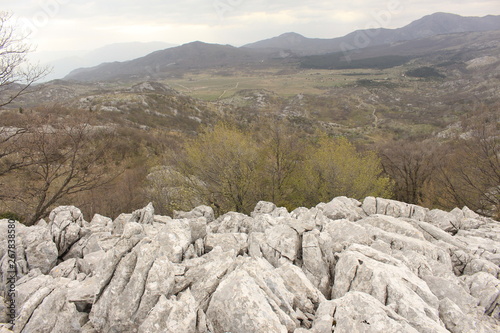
(200, 211)
(66, 227)
(205, 274)
(358, 312)
(44, 307)
(263, 207)
(239, 305)
(485, 288)
(230, 241)
(315, 266)
(72, 269)
(231, 222)
(342, 266)
(177, 314)
(173, 237)
(391, 284)
(343, 208)
(282, 245)
(444, 220)
(130, 286)
(372, 206)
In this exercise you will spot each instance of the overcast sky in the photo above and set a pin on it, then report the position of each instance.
(86, 24)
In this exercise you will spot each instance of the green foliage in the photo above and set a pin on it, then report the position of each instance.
(232, 169)
(335, 168)
(424, 72)
(11, 216)
(227, 162)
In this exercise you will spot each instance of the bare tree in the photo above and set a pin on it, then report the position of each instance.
(16, 72)
(9, 138)
(16, 76)
(411, 165)
(283, 153)
(62, 156)
(472, 176)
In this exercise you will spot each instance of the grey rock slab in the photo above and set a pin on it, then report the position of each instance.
(391, 284)
(358, 312)
(205, 275)
(231, 222)
(307, 295)
(172, 315)
(44, 307)
(486, 289)
(456, 321)
(230, 241)
(342, 208)
(131, 285)
(71, 269)
(392, 224)
(174, 238)
(201, 211)
(282, 245)
(239, 305)
(314, 264)
(66, 227)
(144, 215)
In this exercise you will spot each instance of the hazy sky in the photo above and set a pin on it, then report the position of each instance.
(86, 24)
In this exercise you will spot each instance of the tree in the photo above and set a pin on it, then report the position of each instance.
(62, 156)
(170, 190)
(16, 76)
(283, 152)
(16, 73)
(223, 165)
(411, 165)
(335, 168)
(471, 176)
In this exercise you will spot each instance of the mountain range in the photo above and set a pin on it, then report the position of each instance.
(199, 55)
(430, 25)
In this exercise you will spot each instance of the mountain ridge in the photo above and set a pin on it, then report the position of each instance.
(427, 26)
(199, 55)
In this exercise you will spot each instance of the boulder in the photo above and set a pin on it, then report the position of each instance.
(231, 222)
(144, 215)
(66, 227)
(239, 305)
(230, 241)
(282, 244)
(200, 211)
(131, 281)
(44, 307)
(343, 208)
(172, 315)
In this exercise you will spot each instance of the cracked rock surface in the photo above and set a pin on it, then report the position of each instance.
(344, 266)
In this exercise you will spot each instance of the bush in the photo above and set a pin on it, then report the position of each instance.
(424, 72)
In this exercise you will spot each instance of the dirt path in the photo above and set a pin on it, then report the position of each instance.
(224, 92)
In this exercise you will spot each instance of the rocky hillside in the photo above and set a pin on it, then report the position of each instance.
(342, 266)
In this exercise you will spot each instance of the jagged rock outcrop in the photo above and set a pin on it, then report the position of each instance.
(344, 266)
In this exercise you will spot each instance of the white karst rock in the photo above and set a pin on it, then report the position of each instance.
(375, 265)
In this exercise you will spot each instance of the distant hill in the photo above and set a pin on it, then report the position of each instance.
(195, 55)
(64, 64)
(457, 47)
(430, 25)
